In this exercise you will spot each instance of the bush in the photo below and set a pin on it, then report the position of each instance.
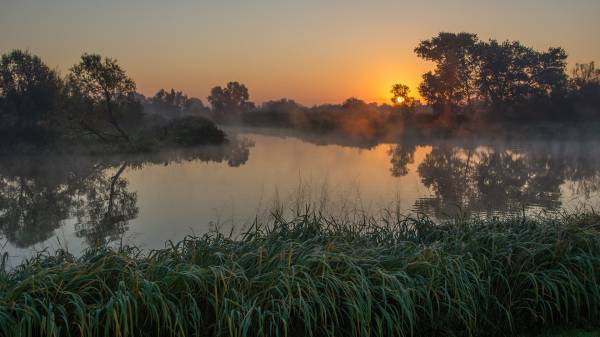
(192, 130)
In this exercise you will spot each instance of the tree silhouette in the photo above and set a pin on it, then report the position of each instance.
(29, 92)
(450, 85)
(175, 104)
(585, 74)
(104, 84)
(401, 95)
(230, 102)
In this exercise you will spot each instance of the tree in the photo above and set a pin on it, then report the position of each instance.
(549, 74)
(401, 95)
(450, 85)
(104, 84)
(503, 76)
(354, 103)
(230, 101)
(510, 73)
(29, 91)
(175, 103)
(585, 90)
(585, 74)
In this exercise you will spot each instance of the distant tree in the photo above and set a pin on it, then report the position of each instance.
(585, 74)
(175, 103)
(104, 84)
(450, 85)
(401, 95)
(282, 105)
(230, 102)
(29, 91)
(585, 90)
(195, 105)
(282, 112)
(354, 103)
(172, 101)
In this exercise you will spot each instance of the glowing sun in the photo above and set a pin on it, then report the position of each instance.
(399, 100)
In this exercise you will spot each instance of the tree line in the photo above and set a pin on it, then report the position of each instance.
(472, 81)
(506, 80)
(96, 102)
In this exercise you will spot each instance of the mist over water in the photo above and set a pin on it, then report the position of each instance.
(72, 202)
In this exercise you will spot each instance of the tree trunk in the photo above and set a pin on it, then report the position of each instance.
(112, 120)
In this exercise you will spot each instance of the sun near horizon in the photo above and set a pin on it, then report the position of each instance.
(311, 51)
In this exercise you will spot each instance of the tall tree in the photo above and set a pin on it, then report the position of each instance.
(450, 85)
(103, 83)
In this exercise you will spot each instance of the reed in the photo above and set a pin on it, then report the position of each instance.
(313, 275)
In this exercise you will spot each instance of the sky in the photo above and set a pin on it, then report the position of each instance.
(313, 51)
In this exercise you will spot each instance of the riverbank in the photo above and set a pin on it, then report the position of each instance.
(322, 277)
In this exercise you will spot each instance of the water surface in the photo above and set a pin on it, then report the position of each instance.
(73, 201)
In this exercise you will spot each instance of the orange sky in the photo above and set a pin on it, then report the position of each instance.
(314, 51)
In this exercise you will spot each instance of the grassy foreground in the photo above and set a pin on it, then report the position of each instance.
(314, 276)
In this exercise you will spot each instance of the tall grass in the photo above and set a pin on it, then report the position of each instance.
(316, 276)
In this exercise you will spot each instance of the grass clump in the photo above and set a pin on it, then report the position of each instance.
(315, 276)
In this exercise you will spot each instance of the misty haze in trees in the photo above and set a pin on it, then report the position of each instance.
(474, 83)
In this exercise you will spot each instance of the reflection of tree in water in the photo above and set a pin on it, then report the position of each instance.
(497, 179)
(401, 156)
(31, 210)
(105, 208)
(39, 193)
(445, 171)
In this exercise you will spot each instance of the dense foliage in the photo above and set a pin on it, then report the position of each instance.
(319, 276)
(499, 77)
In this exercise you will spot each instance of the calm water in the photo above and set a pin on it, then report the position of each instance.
(50, 201)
